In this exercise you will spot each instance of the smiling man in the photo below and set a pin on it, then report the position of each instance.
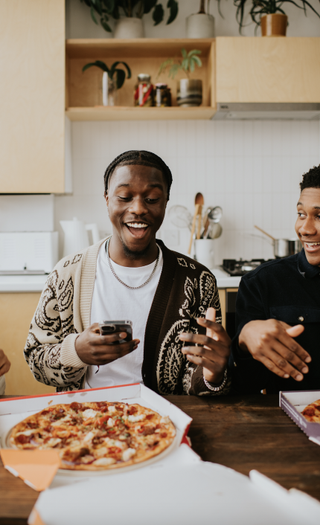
(178, 346)
(278, 310)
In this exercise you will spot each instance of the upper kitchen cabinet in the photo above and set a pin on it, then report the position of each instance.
(267, 70)
(32, 96)
(142, 56)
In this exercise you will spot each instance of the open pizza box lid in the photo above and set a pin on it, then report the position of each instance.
(180, 489)
(14, 410)
(293, 403)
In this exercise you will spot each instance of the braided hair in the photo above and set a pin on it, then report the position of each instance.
(311, 179)
(139, 158)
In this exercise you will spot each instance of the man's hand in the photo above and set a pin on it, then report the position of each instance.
(4, 363)
(213, 348)
(272, 343)
(96, 349)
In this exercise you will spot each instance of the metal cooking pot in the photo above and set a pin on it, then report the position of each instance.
(283, 247)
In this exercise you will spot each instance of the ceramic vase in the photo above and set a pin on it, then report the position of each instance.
(129, 27)
(200, 25)
(274, 25)
(189, 92)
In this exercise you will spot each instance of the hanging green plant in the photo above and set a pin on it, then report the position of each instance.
(113, 71)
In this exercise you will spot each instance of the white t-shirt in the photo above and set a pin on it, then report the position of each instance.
(113, 301)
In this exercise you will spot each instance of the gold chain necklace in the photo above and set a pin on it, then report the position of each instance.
(118, 278)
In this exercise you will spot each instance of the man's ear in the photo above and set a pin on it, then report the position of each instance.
(106, 197)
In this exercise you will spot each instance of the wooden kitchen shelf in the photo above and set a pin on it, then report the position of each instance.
(143, 55)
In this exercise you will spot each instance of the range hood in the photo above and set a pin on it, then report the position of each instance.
(267, 111)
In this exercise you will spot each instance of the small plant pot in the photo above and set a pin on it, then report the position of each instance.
(109, 91)
(129, 27)
(189, 92)
(274, 25)
(200, 25)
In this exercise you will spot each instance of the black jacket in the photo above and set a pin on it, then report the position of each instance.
(286, 289)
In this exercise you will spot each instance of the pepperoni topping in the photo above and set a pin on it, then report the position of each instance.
(23, 439)
(76, 406)
(132, 410)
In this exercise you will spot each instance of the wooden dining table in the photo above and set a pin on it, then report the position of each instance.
(241, 432)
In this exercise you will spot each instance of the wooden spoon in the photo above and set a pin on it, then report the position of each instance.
(198, 200)
(267, 234)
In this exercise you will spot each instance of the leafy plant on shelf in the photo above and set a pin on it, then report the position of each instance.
(107, 9)
(187, 63)
(120, 74)
(258, 8)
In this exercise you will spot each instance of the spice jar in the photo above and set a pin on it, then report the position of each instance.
(143, 91)
(162, 95)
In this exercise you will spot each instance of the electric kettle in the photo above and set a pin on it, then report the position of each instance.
(76, 235)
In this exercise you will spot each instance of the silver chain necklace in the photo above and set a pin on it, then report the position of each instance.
(118, 278)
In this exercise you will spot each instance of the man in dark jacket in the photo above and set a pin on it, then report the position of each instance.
(276, 346)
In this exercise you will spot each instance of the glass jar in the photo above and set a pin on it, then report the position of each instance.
(162, 95)
(143, 91)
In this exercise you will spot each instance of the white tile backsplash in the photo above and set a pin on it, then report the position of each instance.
(252, 169)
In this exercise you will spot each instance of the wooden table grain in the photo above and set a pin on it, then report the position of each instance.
(243, 433)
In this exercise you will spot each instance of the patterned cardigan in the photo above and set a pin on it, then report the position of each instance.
(185, 290)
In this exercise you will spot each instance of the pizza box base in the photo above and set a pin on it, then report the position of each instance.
(13, 410)
(292, 403)
(182, 489)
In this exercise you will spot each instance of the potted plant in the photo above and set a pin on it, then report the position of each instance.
(189, 91)
(201, 24)
(128, 14)
(268, 14)
(112, 79)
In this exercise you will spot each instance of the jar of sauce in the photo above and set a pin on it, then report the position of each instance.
(162, 95)
(143, 91)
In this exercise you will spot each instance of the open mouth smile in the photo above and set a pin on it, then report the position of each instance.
(137, 229)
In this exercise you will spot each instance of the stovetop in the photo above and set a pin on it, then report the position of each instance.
(240, 267)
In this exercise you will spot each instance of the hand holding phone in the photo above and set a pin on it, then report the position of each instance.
(111, 327)
(100, 344)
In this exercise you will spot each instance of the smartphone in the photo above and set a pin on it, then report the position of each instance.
(110, 327)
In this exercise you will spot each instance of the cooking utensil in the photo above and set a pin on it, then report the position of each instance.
(193, 226)
(199, 201)
(283, 247)
(212, 217)
(214, 231)
(180, 216)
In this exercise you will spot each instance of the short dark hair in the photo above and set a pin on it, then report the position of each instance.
(311, 179)
(139, 158)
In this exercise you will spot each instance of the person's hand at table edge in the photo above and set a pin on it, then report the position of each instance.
(4, 363)
(271, 342)
(212, 350)
(96, 349)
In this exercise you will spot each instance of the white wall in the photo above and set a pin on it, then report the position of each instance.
(251, 169)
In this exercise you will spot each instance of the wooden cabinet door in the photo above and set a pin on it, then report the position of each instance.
(16, 312)
(268, 69)
(32, 99)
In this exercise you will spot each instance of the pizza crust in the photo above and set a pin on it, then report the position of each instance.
(95, 436)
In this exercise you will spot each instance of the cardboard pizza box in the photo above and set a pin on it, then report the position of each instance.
(182, 489)
(14, 410)
(293, 403)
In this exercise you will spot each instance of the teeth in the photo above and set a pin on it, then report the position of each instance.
(313, 243)
(136, 225)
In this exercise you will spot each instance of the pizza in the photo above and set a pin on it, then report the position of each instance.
(312, 412)
(95, 435)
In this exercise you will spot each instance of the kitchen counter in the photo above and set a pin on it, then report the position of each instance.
(35, 283)
(22, 283)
